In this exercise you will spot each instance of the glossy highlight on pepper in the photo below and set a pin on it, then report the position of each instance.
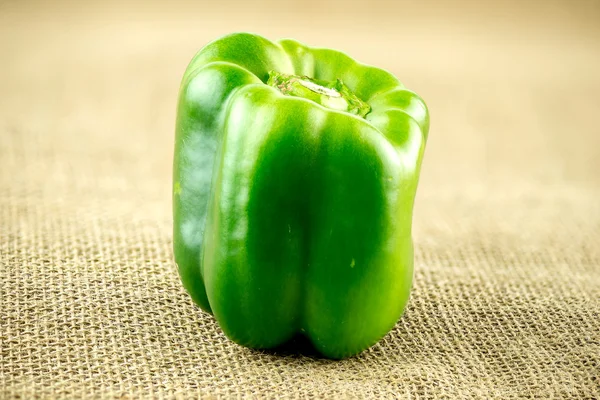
(294, 178)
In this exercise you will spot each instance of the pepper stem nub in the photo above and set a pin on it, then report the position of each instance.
(334, 95)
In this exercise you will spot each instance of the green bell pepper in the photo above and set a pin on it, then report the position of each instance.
(295, 173)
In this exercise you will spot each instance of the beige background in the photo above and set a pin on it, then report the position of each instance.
(506, 301)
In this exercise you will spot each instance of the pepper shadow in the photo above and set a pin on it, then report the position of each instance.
(298, 346)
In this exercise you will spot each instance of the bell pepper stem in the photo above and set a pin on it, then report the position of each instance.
(334, 95)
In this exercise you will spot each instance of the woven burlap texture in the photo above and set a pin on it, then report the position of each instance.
(506, 299)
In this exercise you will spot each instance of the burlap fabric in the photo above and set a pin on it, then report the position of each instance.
(506, 299)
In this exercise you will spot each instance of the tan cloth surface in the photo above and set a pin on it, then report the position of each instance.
(506, 299)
